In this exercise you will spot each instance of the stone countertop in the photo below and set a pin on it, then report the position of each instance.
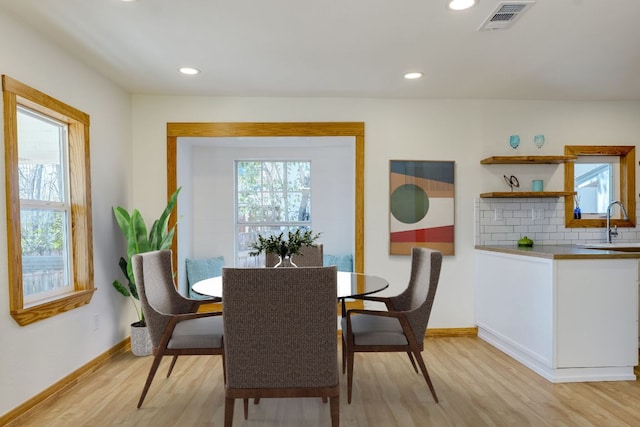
(560, 252)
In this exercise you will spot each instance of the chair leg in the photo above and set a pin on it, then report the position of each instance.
(344, 356)
(173, 363)
(334, 405)
(245, 403)
(224, 369)
(413, 362)
(349, 373)
(425, 373)
(152, 372)
(228, 411)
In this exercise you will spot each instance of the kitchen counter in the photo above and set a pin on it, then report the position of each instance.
(560, 252)
(569, 313)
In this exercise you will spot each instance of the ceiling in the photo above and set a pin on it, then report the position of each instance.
(557, 50)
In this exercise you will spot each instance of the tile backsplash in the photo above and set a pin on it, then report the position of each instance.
(505, 221)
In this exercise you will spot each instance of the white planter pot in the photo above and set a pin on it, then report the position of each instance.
(140, 340)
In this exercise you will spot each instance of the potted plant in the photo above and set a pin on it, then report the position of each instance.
(285, 249)
(134, 229)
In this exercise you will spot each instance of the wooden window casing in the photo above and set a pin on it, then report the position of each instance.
(627, 183)
(175, 131)
(14, 94)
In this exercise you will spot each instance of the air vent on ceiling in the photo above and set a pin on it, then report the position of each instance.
(505, 15)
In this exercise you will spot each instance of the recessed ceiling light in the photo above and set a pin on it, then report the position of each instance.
(189, 71)
(413, 75)
(461, 4)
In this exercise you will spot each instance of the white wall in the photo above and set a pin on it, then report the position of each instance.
(206, 217)
(35, 356)
(464, 131)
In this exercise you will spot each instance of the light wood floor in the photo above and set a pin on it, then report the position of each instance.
(477, 385)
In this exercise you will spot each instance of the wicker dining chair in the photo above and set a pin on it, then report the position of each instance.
(175, 327)
(402, 327)
(280, 335)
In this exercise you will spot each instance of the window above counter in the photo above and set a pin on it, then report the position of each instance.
(623, 190)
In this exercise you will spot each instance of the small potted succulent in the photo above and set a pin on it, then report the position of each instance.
(285, 249)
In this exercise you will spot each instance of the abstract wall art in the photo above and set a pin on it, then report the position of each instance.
(421, 206)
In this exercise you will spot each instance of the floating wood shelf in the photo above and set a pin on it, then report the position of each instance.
(523, 194)
(512, 160)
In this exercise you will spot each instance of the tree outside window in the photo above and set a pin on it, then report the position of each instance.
(271, 197)
(44, 207)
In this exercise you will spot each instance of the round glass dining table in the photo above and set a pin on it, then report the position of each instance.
(350, 285)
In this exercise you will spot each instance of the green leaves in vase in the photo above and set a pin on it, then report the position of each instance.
(277, 244)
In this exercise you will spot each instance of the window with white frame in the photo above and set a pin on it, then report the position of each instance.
(45, 211)
(596, 184)
(272, 197)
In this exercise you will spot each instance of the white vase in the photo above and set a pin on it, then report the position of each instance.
(286, 262)
(140, 340)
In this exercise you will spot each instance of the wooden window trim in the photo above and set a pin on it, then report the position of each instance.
(14, 94)
(627, 178)
(275, 129)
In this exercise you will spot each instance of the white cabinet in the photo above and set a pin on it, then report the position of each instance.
(569, 320)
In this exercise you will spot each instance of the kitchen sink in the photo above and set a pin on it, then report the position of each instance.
(613, 246)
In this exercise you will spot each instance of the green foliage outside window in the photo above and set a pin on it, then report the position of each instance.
(272, 197)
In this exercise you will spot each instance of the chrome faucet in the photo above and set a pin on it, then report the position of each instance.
(614, 232)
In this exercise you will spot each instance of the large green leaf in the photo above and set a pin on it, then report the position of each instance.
(168, 240)
(124, 268)
(123, 218)
(159, 233)
(137, 241)
(121, 288)
(133, 290)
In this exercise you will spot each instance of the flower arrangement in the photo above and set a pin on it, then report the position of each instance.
(276, 243)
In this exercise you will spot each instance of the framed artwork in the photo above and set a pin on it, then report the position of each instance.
(421, 206)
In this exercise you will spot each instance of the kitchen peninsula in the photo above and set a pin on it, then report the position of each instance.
(568, 313)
